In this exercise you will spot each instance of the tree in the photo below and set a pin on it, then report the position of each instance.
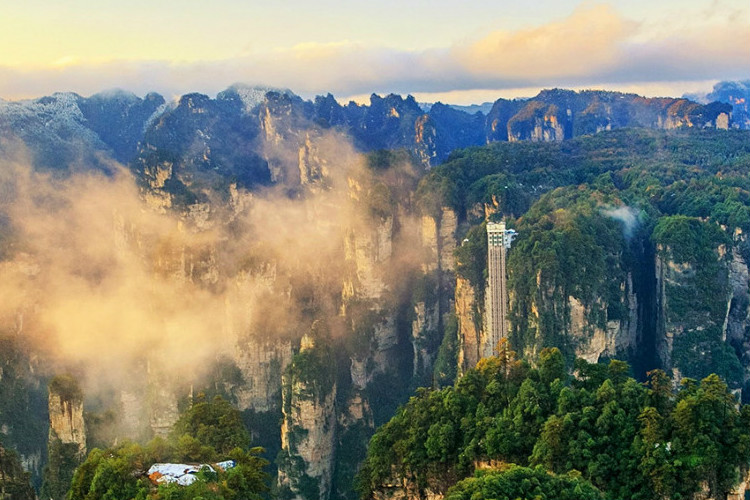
(215, 424)
(206, 432)
(14, 481)
(521, 483)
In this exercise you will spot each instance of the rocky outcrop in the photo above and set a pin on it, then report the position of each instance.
(691, 332)
(447, 239)
(133, 422)
(313, 165)
(593, 342)
(738, 317)
(367, 249)
(14, 480)
(423, 328)
(162, 408)
(261, 364)
(737, 94)
(555, 115)
(402, 489)
(428, 231)
(469, 326)
(438, 235)
(24, 398)
(308, 429)
(538, 122)
(66, 447)
(739, 491)
(432, 301)
(66, 413)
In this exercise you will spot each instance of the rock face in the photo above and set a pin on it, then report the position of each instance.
(738, 316)
(469, 325)
(697, 293)
(554, 115)
(404, 489)
(164, 413)
(432, 301)
(424, 325)
(261, 364)
(14, 480)
(66, 447)
(447, 239)
(619, 336)
(308, 430)
(737, 94)
(367, 249)
(66, 416)
(24, 422)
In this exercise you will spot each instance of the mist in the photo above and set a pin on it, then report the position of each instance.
(109, 286)
(629, 217)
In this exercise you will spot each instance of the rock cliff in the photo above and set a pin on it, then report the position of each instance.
(694, 296)
(308, 430)
(66, 413)
(14, 480)
(261, 364)
(66, 448)
(469, 325)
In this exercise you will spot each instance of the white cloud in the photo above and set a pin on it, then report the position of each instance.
(593, 46)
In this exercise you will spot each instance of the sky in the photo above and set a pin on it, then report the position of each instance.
(457, 52)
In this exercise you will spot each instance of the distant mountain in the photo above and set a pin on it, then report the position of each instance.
(208, 136)
(65, 129)
(738, 95)
(483, 108)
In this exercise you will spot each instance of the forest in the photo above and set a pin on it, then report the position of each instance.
(621, 439)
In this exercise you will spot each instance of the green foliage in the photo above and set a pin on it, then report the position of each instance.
(206, 426)
(696, 287)
(62, 460)
(568, 247)
(688, 239)
(522, 483)
(14, 481)
(206, 433)
(624, 438)
(66, 386)
(314, 369)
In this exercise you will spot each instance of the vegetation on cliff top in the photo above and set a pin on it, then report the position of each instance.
(630, 440)
(591, 213)
(206, 433)
(514, 482)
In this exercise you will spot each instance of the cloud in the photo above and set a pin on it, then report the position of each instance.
(593, 45)
(586, 42)
(629, 217)
(95, 278)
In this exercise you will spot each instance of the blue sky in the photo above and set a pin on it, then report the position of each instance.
(436, 49)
